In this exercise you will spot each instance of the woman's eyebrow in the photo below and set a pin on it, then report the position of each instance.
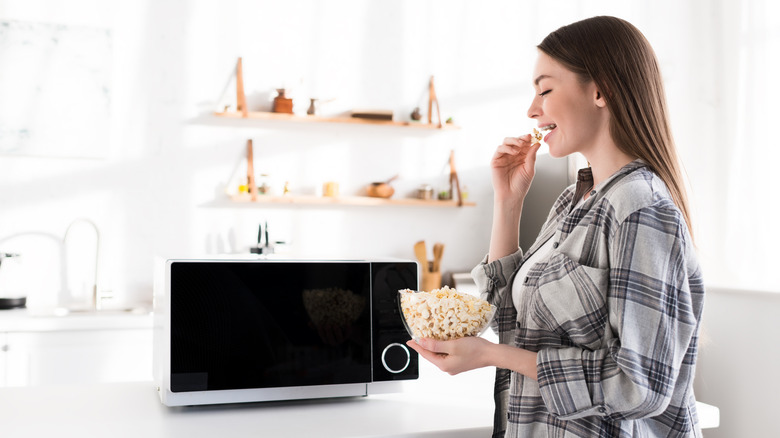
(540, 77)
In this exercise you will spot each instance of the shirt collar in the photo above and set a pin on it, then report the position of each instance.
(585, 178)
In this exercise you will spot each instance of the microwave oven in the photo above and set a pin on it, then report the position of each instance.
(247, 330)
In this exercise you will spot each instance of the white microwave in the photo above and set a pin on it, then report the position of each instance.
(229, 331)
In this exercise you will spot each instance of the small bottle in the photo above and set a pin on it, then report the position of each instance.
(312, 111)
(282, 103)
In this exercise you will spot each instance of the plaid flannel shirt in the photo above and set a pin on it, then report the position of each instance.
(613, 313)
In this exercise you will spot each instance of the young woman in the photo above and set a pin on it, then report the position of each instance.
(598, 321)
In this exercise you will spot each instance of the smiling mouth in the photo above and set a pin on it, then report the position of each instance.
(538, 136)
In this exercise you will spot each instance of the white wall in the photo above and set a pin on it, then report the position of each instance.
(152, 188)
(164, 165)
(738, 362)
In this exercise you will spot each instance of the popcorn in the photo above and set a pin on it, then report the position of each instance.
(444, 314)
(536, 137)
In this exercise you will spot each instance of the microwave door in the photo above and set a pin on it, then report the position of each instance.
(267, 325)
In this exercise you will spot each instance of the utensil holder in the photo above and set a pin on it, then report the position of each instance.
(431, 281)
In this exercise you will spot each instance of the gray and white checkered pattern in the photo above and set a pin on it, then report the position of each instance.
(614, 313)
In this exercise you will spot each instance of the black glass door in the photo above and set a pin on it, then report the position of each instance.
(261, 324)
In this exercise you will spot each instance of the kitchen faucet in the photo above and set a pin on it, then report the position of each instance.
(95, 304)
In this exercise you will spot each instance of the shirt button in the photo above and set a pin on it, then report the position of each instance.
(603, 410)
(555, 244)
(592, 193)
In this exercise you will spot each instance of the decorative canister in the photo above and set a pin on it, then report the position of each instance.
(425, 192)
(264, 184)
(282, 104)
(330, 189)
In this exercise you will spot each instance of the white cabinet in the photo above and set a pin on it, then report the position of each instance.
(3, 355)
(75, 357)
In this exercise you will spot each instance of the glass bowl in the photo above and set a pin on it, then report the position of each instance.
(443, 314)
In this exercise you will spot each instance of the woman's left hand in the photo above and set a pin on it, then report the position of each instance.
(455, 356)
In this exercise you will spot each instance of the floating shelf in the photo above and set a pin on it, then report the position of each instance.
(260, 115)
(344, 200)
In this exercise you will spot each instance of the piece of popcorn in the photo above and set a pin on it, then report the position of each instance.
(536, 137)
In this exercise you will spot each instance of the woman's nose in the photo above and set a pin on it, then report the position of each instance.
(535, 110)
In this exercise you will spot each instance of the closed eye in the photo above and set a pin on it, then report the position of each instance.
(544, 93)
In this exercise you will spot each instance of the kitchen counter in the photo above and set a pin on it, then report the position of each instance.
(24, 320)
(134, 410)
(40, 348)
(437, 406)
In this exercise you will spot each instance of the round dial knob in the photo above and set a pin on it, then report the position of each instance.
(396, 357)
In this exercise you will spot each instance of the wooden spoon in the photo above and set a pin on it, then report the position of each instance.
(438, 251)
(420, 253)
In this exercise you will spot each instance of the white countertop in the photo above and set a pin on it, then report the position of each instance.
(24, 320)
(436, 405)
(134, 410)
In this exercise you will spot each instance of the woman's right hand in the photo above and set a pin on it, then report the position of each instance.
(512, 168)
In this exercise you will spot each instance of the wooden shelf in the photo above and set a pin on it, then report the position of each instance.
(344, 200)
(258, 115)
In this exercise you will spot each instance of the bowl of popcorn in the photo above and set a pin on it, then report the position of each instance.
(444, 314)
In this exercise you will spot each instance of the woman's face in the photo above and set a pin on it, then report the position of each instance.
(574, 109)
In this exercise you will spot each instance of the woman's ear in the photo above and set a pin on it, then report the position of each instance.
(599, 99)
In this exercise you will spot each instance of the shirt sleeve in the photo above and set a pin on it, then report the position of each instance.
(651, 315)
(493, 282)
(492, 278)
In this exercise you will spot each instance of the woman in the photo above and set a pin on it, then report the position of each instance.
(598, 321)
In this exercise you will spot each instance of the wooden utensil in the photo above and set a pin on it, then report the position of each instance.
(438, 251)
(420, 253)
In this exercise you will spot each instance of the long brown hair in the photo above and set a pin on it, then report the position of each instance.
(619, 59)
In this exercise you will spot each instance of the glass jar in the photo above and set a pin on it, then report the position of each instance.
(425, 192)
(264, 184)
